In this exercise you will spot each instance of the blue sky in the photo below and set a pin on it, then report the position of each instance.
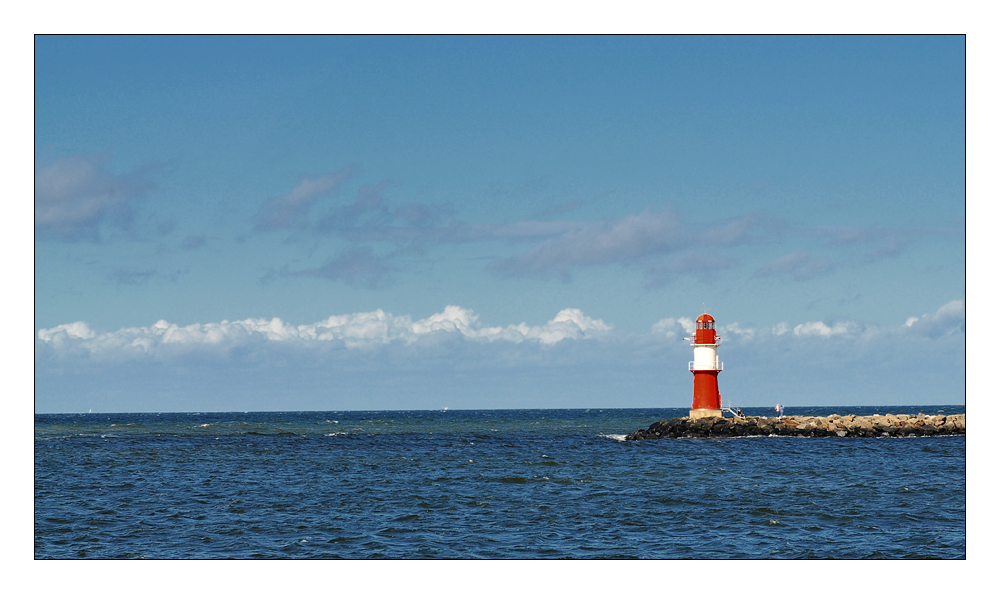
(244, 223)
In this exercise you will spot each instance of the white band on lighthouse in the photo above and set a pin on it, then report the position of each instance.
(705, 357)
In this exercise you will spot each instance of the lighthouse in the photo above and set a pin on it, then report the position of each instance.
(706, 366)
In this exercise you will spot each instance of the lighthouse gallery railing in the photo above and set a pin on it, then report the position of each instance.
(717, 366)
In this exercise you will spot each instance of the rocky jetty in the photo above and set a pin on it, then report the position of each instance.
(831, 426)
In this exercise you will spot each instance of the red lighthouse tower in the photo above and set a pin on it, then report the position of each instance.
(705, 367)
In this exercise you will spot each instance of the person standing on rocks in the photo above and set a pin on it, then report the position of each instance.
(780, 408)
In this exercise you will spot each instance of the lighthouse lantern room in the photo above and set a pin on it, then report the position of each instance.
(705, 367)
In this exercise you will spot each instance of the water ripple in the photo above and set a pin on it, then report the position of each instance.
(482, 485)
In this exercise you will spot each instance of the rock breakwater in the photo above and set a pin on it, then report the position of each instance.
(802, 426)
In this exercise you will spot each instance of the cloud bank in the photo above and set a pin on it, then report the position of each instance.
(948, 320)
(373, 330)
(365, 330)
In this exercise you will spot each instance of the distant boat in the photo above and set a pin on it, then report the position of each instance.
(445, 409)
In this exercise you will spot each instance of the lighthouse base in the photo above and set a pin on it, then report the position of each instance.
(701, 413)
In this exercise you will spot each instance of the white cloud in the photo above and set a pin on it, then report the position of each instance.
(671, 327)
(736, 331)
(948, 319)
(568, 323)
(360, 330)
(370, 331)
(821, 329)
(65, 331)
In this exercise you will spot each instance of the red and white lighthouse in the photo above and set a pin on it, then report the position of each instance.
(705, 367)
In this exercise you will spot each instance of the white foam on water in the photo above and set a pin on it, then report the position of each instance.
(614, 436)
(334, 434)
(204, 425)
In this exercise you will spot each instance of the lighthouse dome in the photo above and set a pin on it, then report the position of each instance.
(705, 322)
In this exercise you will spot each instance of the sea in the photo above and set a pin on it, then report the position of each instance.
(486, 484)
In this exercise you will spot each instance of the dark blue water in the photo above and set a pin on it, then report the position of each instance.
(485, 484)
